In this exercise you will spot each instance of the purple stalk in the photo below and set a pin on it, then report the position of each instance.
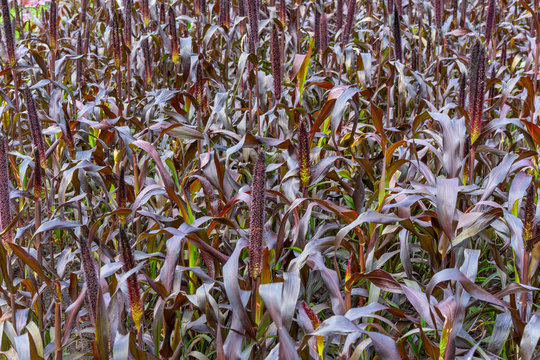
(503, 54)
(121, 194)
(84, 10)
(462, 91)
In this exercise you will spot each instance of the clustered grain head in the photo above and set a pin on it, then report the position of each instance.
(490, 19)
(323, 33)
(145, 12)
(116, 40)
(127, 23)
(349, 22)
(90, 275)
(35, 125)
(277, 66)
(477, 89)
(133, 285)
(396, 29)
(199, 82)
(147, 60)
(162, 14)
(256, 233)
(339, 14)
(317, 26)
(304, 156)
(53, 24)
(439, 12)
(8, 33)
(224, 13)
(37, 178)
(253, 20)
(173, 35)
(5, 202)
(530, 214)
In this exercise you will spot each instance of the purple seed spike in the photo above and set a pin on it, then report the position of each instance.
(253, 20)
(5, 202)
(490, 20)
(133, 285)
(127, 23)
(323, 33)
(303, 156)
(349, 21)
(256, 233)
(53, 25)
(90, 276)
(276, 61)
(35, 126)
(8, 33)
(530, 213)
(339, 15)
(396, 29)
(439, 10)
(477, 89)
(37, 176)
(175, 54)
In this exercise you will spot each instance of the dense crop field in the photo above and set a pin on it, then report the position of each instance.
(275, 179)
